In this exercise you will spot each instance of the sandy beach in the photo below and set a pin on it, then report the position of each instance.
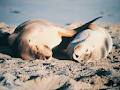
(55, 74)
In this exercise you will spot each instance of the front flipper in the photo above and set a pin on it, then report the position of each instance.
(81, 36)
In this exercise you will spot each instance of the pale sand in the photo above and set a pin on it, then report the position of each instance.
(16, 74)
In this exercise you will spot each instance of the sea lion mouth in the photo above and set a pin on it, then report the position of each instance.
(43, 53)
(41, 56)
(77, 59)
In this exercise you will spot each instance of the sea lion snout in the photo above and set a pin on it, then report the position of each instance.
(36, 52)
(82, 53)
(45, 53)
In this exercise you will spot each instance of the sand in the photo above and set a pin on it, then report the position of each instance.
(55, 74)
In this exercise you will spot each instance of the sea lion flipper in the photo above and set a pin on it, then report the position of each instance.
(83, 36)
(78, 27)
(86, 25)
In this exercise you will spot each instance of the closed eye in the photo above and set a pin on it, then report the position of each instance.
(86, 50)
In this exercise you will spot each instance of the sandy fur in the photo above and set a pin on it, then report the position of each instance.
(91, 44)
(35, 39)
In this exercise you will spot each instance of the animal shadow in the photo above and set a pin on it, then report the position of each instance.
(4, 47)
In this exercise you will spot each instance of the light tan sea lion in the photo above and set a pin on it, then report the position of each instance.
(35, 39)
(90, 43)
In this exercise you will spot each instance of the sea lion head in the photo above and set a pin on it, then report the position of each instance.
(82, 52)
(45, 53)
(31, 52)
(78, 49)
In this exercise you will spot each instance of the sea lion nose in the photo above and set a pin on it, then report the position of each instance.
(77, 56)
(47, 57)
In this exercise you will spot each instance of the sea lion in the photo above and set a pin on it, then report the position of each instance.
(35, 39)
(90, 43)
